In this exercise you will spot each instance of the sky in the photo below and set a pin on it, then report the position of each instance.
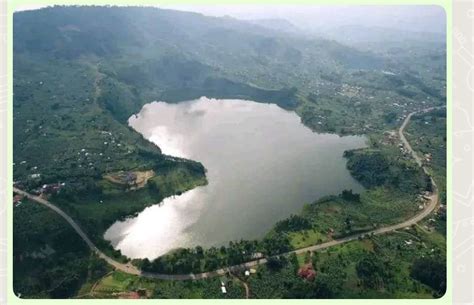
(318, 18)
(408, 17)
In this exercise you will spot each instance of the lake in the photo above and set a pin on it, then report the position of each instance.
(262, 165)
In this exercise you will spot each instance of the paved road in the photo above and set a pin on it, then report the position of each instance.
(129, 268)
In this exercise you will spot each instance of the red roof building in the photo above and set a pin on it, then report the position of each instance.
(307, 272)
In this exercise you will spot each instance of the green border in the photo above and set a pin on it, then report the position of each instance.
(445, 4)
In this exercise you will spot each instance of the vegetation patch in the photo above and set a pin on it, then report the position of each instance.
(50, 259)
(133, 180)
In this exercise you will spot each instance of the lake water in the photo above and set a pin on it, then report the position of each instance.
(262, 165)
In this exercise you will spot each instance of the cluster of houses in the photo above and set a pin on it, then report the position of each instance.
(224, 280)
(350, 91)
(45, 189)
(250, 271)
(428, 158)
(390, 138)
(423, 198)
(403, 149)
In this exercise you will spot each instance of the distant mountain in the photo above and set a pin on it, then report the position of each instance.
(277, 24)
(412, 18)
(356, 35)
(132, 40)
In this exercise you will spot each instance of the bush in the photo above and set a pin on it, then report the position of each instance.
(292, 224)
(431, 271)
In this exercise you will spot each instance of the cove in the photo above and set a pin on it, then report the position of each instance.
(262, 166)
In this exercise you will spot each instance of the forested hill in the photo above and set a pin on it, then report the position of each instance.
(82, 69)
(159, 51)
(153, 54)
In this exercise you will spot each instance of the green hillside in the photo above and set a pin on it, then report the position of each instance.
(81, 71)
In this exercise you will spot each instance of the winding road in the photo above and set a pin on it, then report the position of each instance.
(130, 269)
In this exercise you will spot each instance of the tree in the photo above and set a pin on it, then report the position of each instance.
(199, 252)
(276, 244)
(373, 271)
(293, 223)
(350, 196)
(390, 117)
(275, 263)
(431, 271)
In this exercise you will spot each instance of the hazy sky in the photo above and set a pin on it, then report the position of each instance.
(314, 17)
(408, 17)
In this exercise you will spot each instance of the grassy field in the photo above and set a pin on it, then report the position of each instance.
(121, 285)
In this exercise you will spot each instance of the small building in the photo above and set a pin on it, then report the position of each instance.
(307, 272)
(142, 292)
(129, 295)
(17, 198)
(130, 177)
(224, 281)
(52, 188)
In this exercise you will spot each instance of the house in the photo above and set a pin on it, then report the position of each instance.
(223, 289)
(17, 198)
(307, 272)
